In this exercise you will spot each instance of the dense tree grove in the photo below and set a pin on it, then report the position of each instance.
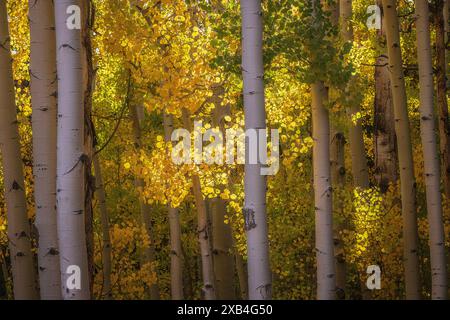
(126, 173)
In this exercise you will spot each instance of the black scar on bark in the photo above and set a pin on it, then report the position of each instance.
(23, 234)
(16, 186)
(265, 290)
(53, 252)
(249, 219)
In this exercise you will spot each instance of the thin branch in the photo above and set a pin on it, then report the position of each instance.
(122, 112)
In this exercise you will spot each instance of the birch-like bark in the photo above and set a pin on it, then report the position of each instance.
(145, 208)
(326, 281)
(406, 166)
(104, 221)
(70, 153)
(356, 139)
(43, 102)
(430, 154)
(385, 145)
(259, 275)
(13, 180)
(208, 289)
(176, 252)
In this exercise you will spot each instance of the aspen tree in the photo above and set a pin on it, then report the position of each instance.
(326, 282)
(176, 252)
(441, 83)
(145, 208)
(241, 273)
(43, 101)
(208, 288)
(385, 144)
(88, 16)
(405, 159)
(259, 275)
(337, 146)
(104, 220)
(430, 154)
(222, 238)
(23, 272)
(337, 162)
(70, 152)
(356, 140)
(385, 151)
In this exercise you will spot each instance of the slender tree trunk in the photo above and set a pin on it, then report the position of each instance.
(338, 183)
(430, 155)
(3, 277)
(356, 139)
(89, 133)
(187, 276)
(104, 220)
(209, 289)
(326, 282)
(13, 180)
(441, 83)
(337, 161)
(222, 251)
(242, 275)
(222, 239)
(407, 180)
(176, 253)
(385, 145)
(70, 154)
(149, 252)
(259, 275)
(43, 101)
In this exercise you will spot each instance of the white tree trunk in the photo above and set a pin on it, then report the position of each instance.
(18, 226)
(43, 101)
(326, 280)
(70, 153)
(405, 159)
(430, 154)
(259, 275)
